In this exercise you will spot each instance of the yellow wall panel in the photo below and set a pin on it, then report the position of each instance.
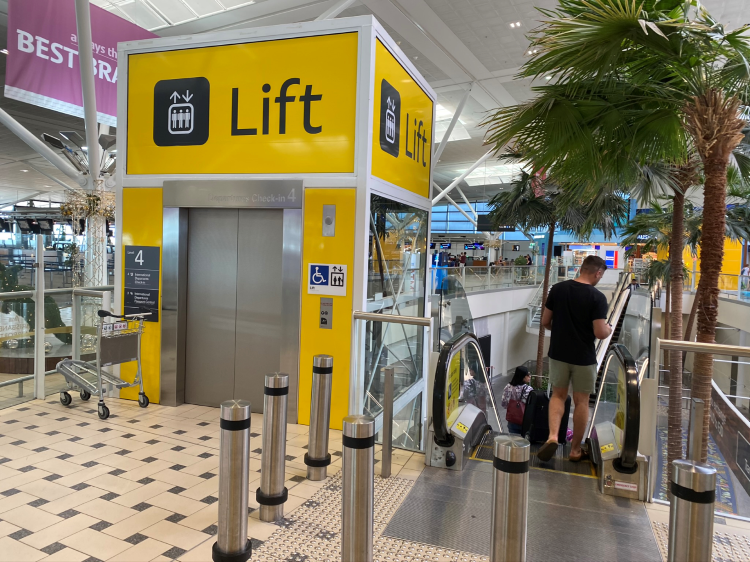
(142, 226)
(402, 128)
(267, 107)
(336, 342)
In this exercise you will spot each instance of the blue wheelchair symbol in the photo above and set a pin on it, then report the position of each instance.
(319, 275)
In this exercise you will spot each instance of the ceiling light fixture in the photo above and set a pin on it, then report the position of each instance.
(516, 24)
(4, 51)
(548, 77)
(24, 170)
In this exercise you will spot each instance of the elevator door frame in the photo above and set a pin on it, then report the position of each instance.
(178, 197)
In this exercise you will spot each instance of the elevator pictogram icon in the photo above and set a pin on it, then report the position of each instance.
(181, 111)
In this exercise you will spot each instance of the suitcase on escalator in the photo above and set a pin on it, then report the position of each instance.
(535, 425)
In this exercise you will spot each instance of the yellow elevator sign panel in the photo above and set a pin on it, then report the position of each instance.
(402, 128)
(271, 107)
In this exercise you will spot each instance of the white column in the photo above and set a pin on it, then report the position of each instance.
(505, 333)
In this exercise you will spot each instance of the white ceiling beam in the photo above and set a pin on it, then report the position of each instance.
(427, 22)
(335, 10)
(252, 15)
(451, 125)
(389, 13)
(26, 198)
(441, 193)
(461, 178)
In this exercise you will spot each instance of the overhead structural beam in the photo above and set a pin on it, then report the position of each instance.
(86, 55)
(456, 205)
(54, 179)
(335, 10)
(461, 193)
(36, 144)
(452, 124)
(462, 177)
(21, 200)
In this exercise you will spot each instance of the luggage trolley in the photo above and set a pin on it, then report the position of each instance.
(117, 343)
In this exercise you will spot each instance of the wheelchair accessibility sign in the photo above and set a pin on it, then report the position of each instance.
(326, 279)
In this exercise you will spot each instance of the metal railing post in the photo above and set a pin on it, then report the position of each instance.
(387, 448)
(272, 494)
(40, 356)
(695, 431)
(510, 499)
(232, 544)
(358, 483)
(75, 320)
(317, 457)
(691, 511)
(20, 389)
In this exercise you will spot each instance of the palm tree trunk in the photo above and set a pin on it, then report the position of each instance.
(545, 289)
(713, 123)
(674, 433)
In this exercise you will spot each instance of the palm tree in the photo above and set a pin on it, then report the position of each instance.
(668, 56)
(537, 202)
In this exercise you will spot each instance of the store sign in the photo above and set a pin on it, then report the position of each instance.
(270, 107)
(403, 132)
(43, 67)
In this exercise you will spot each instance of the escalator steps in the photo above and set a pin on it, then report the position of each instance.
(484, 452)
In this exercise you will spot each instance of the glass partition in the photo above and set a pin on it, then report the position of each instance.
(396, 286)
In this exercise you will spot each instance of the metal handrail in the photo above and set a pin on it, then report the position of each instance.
(699, 347)
(392, 318)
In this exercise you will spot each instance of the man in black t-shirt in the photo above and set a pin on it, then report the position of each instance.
(576, 314)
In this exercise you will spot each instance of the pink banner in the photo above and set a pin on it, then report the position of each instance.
(43, 65)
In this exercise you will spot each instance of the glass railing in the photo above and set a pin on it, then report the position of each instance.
(617, 407)
(27, 366)
(729, 428)
(461, 378)
(490, 278)
(730, 286)
(397, 342)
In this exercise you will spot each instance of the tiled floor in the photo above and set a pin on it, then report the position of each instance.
(142, 485)
(731, 536)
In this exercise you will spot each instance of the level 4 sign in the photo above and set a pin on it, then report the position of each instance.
(327, 279)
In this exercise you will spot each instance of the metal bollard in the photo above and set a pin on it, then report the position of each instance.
(272, 493)
(510, 499)
(358, 476)
(317, 457)
(691, 511)
(232, 544)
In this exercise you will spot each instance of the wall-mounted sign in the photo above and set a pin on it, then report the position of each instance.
(142, 267)
(326, 313)
(327, 279)
(402, 128)
(270, 107)
(43, 64)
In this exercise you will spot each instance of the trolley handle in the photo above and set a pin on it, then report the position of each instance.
(107, 314)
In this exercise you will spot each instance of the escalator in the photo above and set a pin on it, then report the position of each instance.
(615, 316)
(613, 435)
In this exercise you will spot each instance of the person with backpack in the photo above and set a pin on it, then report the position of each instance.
(515, 395)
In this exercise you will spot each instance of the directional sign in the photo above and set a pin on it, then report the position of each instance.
(142, 281)
(327, 279)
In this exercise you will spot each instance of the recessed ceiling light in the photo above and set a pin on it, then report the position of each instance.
(548, 77)
(24, 170)
(416, 57)
(4, 51)
(516, 24)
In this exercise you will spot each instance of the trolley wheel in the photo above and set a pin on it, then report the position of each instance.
(65, 399)
(143, 400)
(85, 394)
(103, 412)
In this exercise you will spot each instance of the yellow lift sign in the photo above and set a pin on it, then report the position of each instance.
(270, 107)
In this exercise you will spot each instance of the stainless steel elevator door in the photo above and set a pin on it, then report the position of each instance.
(258, 347)
(234, 304)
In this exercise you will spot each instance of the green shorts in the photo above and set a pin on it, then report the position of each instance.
(584, 376)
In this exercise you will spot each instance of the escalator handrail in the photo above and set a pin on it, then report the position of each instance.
(613, 316)
(443, 436)
(631, 429)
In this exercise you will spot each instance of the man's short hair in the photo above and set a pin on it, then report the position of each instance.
(593, 264)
